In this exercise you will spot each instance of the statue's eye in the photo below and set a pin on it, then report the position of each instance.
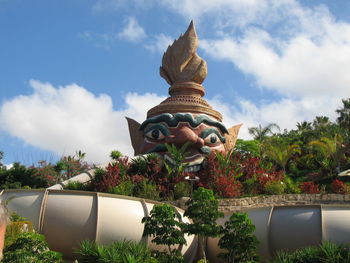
(212, 138)
(155, 134)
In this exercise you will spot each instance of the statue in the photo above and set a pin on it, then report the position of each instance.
(184, 117)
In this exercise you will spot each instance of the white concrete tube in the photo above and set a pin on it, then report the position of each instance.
(292, 227)
(68, 217)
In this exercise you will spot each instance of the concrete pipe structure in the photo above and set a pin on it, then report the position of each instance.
(68, 217)
(292, 227)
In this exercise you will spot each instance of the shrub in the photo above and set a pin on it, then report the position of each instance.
(182, 189)
(326, 253)
(118, 252)
(239, 240)
(14, 229)
(125, 187)
(290, 186)
(227, 186)
(274, 188)
(147, 189)
(75, 185)
(30, 247)
(309, 188)
(339, 187)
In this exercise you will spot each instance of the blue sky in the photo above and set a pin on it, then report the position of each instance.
(71, 70)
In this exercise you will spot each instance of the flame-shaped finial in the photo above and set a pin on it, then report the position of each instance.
(180, 61)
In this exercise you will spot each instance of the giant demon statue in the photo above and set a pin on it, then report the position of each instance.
(184, 117)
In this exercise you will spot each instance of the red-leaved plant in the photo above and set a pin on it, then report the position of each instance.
(339, 187)
(309, 188)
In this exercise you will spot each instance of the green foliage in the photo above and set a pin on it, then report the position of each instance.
(76, 185)
(261, 133)
(326, 253)
(14, 229)
(182, 189)
(279, 151)
(14, 217)
(146, 189)
(202, 208)
(251, 147)
(291, 187)
(117, 252)
(239, 240)
(176, 166)
(30, 247)
(174, 257)
(69, 166)
(115, 155)
(274, 188)
(125, 187)
(164, 225)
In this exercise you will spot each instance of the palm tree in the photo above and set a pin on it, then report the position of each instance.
(280, 152)
(261, 133)
(344, 114)
(332, 151)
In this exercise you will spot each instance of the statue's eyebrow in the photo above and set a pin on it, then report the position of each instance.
(208, 131)
(158, 126)
(173, 120)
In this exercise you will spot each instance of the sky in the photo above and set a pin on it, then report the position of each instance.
(71, 70)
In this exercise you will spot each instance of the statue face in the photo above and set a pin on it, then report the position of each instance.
(202, 133)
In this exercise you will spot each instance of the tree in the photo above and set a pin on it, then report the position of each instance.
(344, 114)
(261, 133)
(278, 151)
(203, 210)
(239, 240)
(165, 226)
(332, 151)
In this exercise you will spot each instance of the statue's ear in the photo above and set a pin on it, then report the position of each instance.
(136, 135)
(231, 138)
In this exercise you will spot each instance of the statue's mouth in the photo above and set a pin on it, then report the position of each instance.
(192, 163)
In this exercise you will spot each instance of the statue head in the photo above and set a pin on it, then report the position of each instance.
(184, 117)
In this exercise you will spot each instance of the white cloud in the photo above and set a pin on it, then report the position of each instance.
(132, 31)
(70, 118)
(285, 112)
(159, 43)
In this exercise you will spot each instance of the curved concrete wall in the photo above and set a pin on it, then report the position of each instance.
(292, 227)
(68, 217)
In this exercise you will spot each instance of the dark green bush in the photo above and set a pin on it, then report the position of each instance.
(125, 187)
(238, 240)
(147, 189)
(30, 247)
(274, 188)
(182, 189)
(326, 253)
(75, 185)
(117, 252)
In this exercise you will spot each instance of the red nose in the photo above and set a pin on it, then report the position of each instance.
(183, 135)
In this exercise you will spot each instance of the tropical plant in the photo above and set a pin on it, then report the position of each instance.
(115, 155)
(261, 133)
(118, 252)
(202, 209)
(276, 150)
(331, 152)
(326, 253)
(238, 240)
(274, 188)
(344, 114)
(175, 166)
